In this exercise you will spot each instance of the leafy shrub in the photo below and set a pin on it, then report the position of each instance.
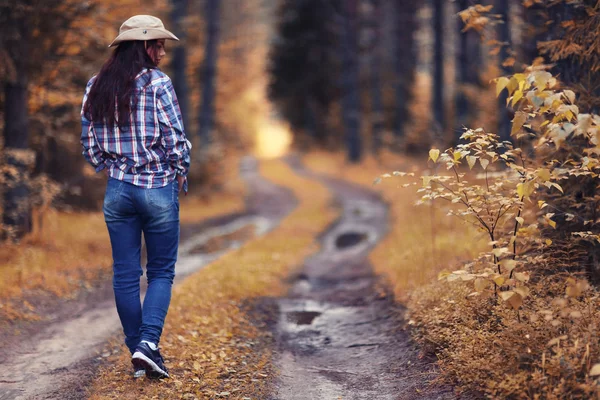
(524, 325)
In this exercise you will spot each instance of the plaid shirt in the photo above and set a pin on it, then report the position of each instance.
(153, 148)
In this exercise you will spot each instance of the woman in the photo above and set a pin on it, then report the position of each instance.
(133, 131)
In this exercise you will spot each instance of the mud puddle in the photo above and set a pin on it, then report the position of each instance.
(339, 332)
(60, 360)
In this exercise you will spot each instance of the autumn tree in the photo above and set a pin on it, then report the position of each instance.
(574, 54)
(375, 72)
(351, 109)
(405, 60)
(31, 33)
(179, 58)
(209, 72)
(438, 109)
(501, 7)
(468, 64)
(303, 67)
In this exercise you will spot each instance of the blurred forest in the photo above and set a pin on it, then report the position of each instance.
(359, 76)
(50, 49)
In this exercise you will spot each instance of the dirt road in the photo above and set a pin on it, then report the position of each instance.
(60, 359)
(339, 332)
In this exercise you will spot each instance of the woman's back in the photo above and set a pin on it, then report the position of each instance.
(149, 148)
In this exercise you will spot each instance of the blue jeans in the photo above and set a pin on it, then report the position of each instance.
(130, 210)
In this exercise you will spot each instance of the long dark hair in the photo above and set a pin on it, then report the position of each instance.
(116, 80)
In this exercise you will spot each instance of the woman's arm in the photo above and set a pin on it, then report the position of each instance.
(173, 135)
(91, 150)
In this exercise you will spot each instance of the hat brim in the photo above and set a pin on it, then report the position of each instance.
(143, 34)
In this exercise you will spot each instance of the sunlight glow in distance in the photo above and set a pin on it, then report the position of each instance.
(273, 139)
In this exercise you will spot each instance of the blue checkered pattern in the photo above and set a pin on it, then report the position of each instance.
(152, 149)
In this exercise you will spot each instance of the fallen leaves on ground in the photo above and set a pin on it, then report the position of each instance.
(214, 345)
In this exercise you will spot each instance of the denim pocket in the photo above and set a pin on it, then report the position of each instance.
(113, 191)
(161, 198)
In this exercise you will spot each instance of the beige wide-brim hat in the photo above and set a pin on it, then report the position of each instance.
(142, 27)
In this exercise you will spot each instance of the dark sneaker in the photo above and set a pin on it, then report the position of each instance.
(138, 371)
(150, 360)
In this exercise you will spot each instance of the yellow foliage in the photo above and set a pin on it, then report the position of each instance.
(68, 252)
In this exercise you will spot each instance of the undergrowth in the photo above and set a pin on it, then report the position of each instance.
(69, 252)
(520, 320)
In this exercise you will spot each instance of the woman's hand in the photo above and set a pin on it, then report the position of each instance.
(180, 181)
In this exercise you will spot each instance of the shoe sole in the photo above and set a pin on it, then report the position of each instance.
(139, 374)
(139, 359)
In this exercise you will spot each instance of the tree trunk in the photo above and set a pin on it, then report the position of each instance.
(208, 73)
(18, 158)
(350, 81)
(534, 30)
(179, 62)
(439, 123)
(501, 7)
(405, 61)
(377, 114)
(468, 62)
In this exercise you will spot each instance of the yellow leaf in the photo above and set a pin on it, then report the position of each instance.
(518, 96)
(480, 284)
(520, 220)
(595, 371)
(499, 251)
(509, 264)
(522, 291)
(471, 160)
(548, 242)
(434, 154)
(557, 186)
(543, 174)
(512, 85)
(501, 84)
(506, 295)
(442, 275)
(522, 277)
(570, 95)
(541, 79)
(499, 280)
(548, 218)
(484, 163)
(518, 121)
(524, 190)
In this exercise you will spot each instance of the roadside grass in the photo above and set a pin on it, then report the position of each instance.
(214, 345)
(71, 251)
